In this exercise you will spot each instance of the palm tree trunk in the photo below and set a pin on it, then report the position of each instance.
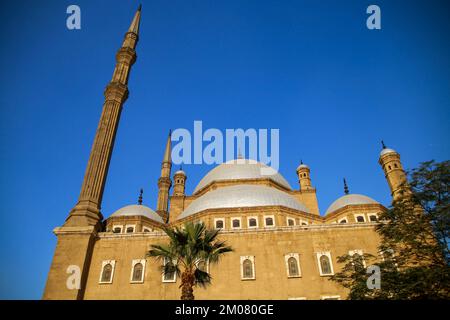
(187, 285)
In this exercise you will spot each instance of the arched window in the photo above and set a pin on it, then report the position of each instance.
(395, 165)
(247, 267)
(201, 265)
(373, 218)
(169, 276)
(360, 219)
(236, 223)
(325, 264)
(343, 221)
(106, 273)
(291, 222)
(137, 272)
(219, 224)
(269, 221)
(130, 229)
(293, 267)
(252, 222)
(304, 224)
(117, 230)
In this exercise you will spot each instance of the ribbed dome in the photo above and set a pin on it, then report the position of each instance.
(137, 210)
(242, 196)
(241, 169)
(386, 151)
(350, 199)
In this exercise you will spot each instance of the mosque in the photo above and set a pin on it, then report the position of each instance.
(284, 248)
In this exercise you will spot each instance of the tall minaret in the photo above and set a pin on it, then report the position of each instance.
(164, 181)
(393, 170)
(87, 210)
(71, 261)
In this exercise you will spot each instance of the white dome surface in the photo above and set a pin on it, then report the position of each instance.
(242, 169)
(350, 199)
(137, 210)
(242, 196)
(386, 151)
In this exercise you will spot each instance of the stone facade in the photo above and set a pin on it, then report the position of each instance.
(281, 241)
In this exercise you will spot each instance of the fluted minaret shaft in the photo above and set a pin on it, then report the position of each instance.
(87, 210)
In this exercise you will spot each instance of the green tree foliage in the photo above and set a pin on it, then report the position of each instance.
(414, 233)
(188, 249)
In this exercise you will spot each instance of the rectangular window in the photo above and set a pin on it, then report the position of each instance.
(107, 271)
(290, 221)
(117, 229)
(248, 268)
(137, 271)
(129, 228)
(269, 221)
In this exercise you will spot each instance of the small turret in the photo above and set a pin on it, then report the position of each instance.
(179, 183)
(304, 178)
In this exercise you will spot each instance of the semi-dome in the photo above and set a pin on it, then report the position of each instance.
(137, 210)
(242, 169)
(386, 151)
(243, 195)
(350, 199)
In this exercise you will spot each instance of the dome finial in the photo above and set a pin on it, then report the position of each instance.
(141, 192)
(301, 161)
(383, 145)
(345, 187)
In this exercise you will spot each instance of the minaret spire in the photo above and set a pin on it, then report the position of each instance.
(87, 211)
(345, 187)
(164, 181)
(140, 196)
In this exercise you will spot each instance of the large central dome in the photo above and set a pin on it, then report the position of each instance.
(241, 169)
(242, 196)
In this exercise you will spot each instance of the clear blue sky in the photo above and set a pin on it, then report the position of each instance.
(310, 68)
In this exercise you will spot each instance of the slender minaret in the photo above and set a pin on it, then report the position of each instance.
(164, 181)
(76, 238)
(87, 210)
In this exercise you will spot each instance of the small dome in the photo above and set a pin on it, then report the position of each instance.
(386, 151)
(243, 195)
(180, 172)
(302, 166)
(137, 210)
(242, 169)
(350, 199)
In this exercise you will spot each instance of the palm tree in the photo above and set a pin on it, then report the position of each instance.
(189, 250)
